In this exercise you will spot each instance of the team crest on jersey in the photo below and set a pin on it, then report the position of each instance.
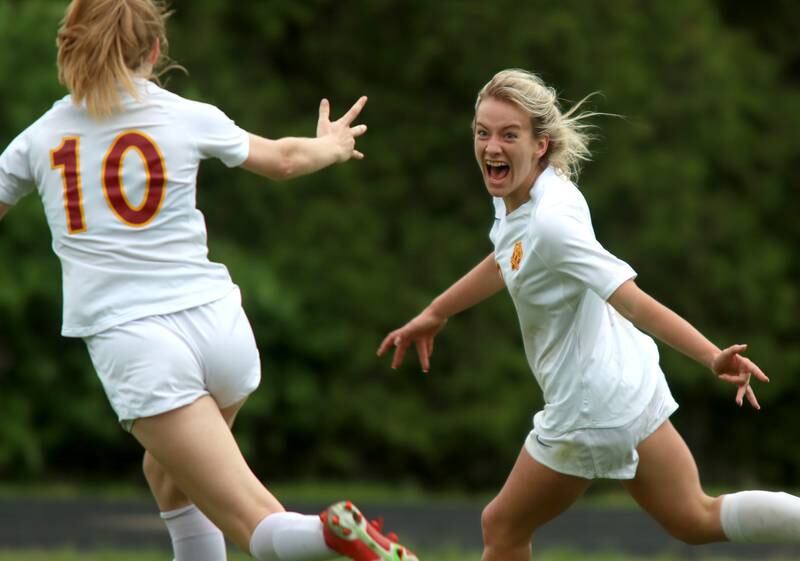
(516, 255)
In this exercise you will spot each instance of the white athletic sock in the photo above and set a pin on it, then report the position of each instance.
(761, 516)
(289, 536)
(194, 537)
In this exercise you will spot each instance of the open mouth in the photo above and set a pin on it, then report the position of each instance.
(497, 170)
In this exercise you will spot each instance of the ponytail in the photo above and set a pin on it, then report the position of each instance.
(104, 44)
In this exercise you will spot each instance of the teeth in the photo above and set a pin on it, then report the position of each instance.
(495, 163)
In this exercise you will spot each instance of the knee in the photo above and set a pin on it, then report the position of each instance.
(499, 530)
(698, 525)
(166, 492)
(153, 472)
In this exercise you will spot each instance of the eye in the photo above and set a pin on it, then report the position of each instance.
(481, 133)
(511, 136)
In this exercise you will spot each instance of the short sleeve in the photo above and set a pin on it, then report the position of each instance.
(217, 136)
(567, 244)
(16, 179)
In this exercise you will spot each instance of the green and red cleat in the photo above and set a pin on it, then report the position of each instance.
(348, 533)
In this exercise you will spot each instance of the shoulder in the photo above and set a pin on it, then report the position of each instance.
(184, 105)
(562, 205)
(62, 110)
(41, 126)
(561, 222)
(558, 191)
(555, 223)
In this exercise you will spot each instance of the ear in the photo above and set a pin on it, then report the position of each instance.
(542, 144)
(155, 53)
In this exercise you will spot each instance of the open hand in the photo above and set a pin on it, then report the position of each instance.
(421, 331)
(730, 366)
(340, 132)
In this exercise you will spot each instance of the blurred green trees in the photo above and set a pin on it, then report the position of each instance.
(696, 186)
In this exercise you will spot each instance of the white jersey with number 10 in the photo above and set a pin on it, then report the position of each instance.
(119, 195)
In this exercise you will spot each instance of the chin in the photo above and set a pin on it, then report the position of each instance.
(496, 191)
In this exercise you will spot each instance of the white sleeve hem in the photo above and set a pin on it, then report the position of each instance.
(616, 283)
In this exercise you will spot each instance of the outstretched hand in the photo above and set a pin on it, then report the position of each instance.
(730, 366)
(421, 331)
(340, 132)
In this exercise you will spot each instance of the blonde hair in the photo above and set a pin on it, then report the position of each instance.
(103, 44)
(569, 139)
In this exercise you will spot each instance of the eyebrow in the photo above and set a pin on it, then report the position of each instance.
(504, 127)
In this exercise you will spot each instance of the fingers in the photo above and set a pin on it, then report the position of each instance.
(751, 368)
(324, 110)
(422, 354)
(736, 379)
(751, 397)
(400, 342)
(399, 352)
(745, 390)
(354, 111)
(730, 359)
(733, 350)
(387, 342)
(740, 394)
(727, 355)
(356, 132)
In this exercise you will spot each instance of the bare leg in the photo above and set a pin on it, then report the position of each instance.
(532, 495)
(166, 493)
(667, 486)
(195, 446)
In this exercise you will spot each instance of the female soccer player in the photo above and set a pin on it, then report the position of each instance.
(115, 163)
(607, 403)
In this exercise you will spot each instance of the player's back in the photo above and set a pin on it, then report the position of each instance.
(119, 194)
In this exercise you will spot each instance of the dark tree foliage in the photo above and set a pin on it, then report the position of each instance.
(696, 185)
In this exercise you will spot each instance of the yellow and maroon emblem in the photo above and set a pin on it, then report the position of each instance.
(516, 255)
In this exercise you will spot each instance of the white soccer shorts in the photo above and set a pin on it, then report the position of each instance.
(160, 363)
(603, 453)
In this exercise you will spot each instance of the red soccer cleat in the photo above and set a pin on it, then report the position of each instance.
(348, 533)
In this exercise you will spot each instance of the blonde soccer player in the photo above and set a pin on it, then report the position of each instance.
(583, 320)
(115, 164)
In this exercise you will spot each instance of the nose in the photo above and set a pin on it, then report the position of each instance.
(492, 145)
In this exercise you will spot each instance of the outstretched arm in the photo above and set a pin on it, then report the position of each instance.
(476, 286)
(653, 317)
(289, 157)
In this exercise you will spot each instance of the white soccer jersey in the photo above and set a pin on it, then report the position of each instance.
(119, 195)
(594, 367)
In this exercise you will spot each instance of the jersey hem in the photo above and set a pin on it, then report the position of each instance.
(153, 310)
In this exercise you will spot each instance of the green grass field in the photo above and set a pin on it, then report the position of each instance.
(450, 555)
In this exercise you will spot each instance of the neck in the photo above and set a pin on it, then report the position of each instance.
(515, 200)
(145, 71)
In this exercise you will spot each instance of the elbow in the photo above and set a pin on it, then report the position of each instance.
(274, 170)
(288, 164)
(284, 170)
(275, 160)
